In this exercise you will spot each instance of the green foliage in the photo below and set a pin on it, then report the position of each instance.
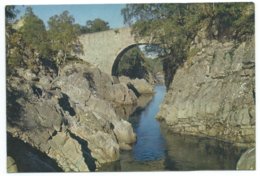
(34, 36)
(135, 65)
(10, 13)
(116, 31)
(13, 41)
(132, 64)
(174, 26)
(153, 65)
(29, 44)
(192, 52)
(95, 25)
(63, 35)
(14, 50)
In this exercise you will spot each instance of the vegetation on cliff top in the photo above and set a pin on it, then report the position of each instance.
(172, 25)
(30, 44)
(96, 25)
(176, 25)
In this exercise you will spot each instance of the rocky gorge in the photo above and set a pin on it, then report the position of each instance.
(79, 119)
(71, 119)
(175, 90)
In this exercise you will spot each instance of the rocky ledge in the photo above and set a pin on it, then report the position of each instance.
(71, 118)
(139, 86)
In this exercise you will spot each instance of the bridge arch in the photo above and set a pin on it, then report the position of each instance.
(104, 49)
(120, 55)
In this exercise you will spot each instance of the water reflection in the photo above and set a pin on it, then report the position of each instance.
(159, 149)
(195, 153)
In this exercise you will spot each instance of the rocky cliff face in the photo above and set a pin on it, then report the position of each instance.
(213, 93)
(72, 118)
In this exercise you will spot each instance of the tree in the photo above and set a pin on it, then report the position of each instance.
(13, 40)
(97, 25)
(174, 26)
(34, 36)
(132, 64)
(63, 34)
(10, 13)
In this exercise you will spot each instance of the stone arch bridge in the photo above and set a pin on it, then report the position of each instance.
(104, 49)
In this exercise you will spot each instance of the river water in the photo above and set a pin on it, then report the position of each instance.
(158, 149)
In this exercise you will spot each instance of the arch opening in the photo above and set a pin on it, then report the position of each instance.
(140, 61)
(119, 57)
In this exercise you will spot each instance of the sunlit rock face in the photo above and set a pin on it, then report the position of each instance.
(213, 93)
(71, 118)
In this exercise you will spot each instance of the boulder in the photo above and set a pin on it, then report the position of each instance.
(120, 94)
(11, 165)
(247, 160)
(67, 152)
(141, 85)
(124, 134)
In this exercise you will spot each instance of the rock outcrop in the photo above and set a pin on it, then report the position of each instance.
(141, 85)
(247, 160)
(11, 165)
(71, 118)
(213, 93)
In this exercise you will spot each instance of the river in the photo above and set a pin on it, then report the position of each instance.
(157, 148)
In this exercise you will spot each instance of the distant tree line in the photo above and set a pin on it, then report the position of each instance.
(96, 25)
(29, 42)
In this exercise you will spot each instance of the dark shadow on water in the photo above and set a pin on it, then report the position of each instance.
(89, 160)
(197, 153)
(29, 159)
